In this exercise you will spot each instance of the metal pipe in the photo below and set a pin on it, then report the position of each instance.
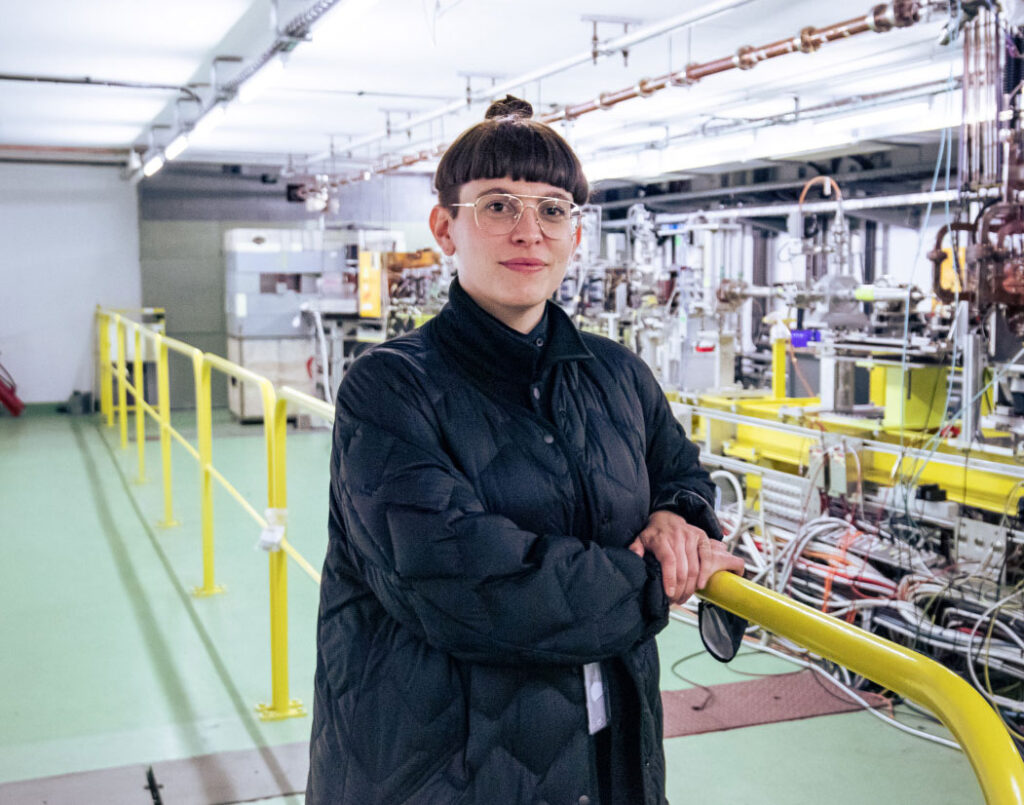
(882, 18)
(295, 31)
(745, 58)
(98, 82)
(878, 202)
(604, 49)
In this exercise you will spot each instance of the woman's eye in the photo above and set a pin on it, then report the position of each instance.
(553, 211)
(498, 207)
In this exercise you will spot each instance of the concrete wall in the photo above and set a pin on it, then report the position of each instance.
(68, 241)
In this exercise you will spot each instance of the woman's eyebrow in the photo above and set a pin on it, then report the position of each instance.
(491, 190)
(559, 194)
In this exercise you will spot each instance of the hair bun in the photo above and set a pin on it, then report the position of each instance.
(510, 106)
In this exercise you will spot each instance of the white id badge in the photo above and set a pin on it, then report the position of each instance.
(597, 702)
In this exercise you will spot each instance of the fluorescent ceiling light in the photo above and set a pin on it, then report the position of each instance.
(153, 164)
(261, 80)
(619, 138)
(704, 152)
(209, 121)
(610, 168)
(176, 147)
(801, 138)
(857, 121)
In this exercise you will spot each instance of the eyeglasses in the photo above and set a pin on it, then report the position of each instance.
(499, 214)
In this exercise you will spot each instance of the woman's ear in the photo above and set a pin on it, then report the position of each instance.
(441, 226)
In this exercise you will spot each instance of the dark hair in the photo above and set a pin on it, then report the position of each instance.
(508, 142)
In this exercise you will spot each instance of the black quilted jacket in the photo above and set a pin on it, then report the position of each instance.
(477, 560)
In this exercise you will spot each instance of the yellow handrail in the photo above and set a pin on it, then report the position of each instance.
(202, 365)
(960, 707)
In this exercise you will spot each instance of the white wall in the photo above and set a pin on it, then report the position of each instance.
(69, 240)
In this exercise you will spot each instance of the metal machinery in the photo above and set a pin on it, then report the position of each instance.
(888, 489)
(393, 292)
(302, 303)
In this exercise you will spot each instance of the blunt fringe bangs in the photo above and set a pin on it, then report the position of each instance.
(522, 149)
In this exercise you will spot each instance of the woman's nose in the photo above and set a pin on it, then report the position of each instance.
(528, 226)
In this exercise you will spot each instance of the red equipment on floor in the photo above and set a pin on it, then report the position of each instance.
(8, 398)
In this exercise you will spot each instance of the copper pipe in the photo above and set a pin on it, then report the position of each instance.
(746, 58)
(882, 18)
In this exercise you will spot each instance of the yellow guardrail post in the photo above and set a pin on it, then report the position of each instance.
(122, 390)
(204, 426)
(962, 709)
(281, 705)
(103, 359)
(140, 411)
(163, 393)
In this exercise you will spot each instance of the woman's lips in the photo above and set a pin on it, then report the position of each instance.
(523, 264)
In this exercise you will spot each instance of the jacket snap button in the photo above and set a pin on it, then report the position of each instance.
(584, 800)
(548, 438)
(536, 392)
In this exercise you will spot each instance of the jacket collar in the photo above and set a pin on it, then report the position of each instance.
(487, 348)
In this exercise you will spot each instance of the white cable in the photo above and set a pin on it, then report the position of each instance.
(733, 481)
(852, 693)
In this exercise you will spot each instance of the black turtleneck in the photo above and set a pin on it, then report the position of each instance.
(509, 364)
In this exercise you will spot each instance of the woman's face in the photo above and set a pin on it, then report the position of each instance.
(510, 276)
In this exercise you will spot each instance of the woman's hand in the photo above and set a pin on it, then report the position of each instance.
(688, 557)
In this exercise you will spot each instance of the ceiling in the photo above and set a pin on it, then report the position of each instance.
(370, 66)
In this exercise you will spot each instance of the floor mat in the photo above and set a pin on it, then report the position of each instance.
(779, 697)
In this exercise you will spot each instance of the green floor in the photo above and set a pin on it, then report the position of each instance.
(108, 660)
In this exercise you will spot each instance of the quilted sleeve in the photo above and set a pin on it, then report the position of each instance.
(680, 484)
(467, 581)
(678, 481)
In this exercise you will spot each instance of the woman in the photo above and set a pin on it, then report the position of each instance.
(513, 508)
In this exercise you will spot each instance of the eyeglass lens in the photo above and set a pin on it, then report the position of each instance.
(499, 213)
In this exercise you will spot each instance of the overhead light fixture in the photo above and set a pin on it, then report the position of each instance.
(609, 167)
(176, 147)
(259, 81)
(800, 138)
(209, 121)
(870, 118)
(153, 164)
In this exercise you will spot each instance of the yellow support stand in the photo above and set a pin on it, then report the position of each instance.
(779, 348)
(915, 400)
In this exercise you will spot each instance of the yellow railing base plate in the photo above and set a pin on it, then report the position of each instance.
(168, 523)
(142, 479)
(268, 713)
(206, 592)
